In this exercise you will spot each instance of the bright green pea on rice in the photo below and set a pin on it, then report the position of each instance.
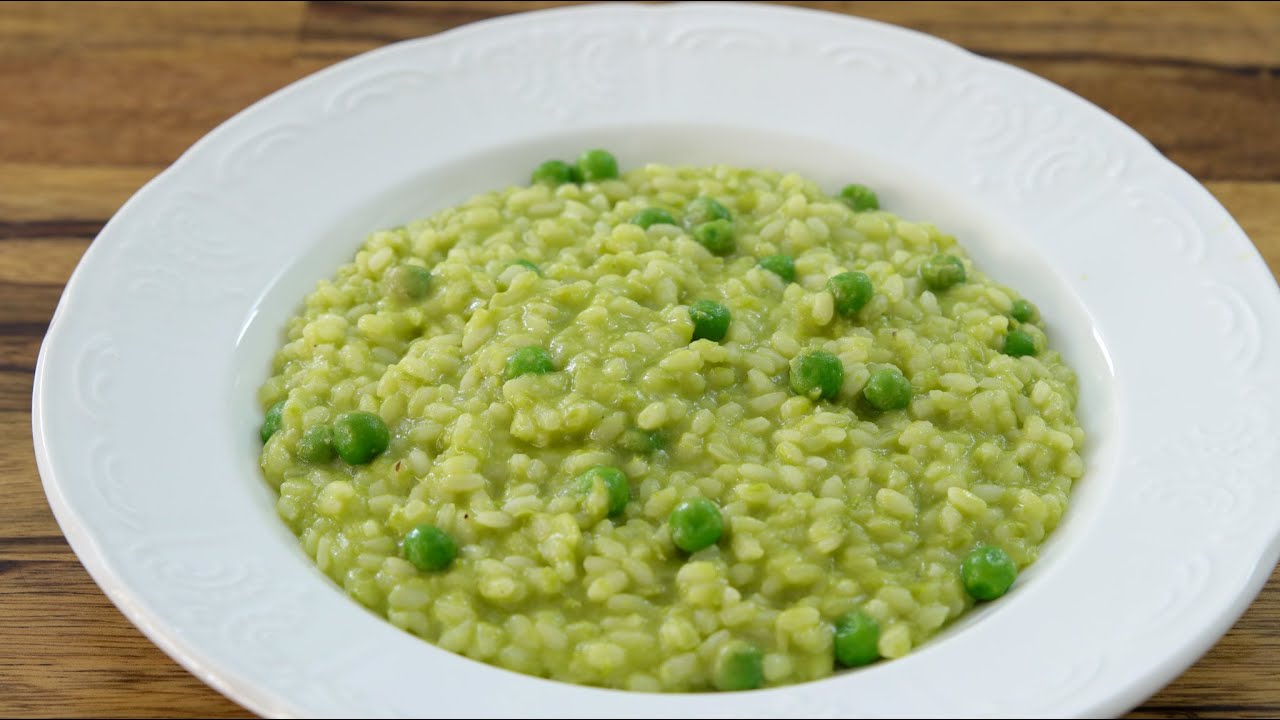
(504, 462)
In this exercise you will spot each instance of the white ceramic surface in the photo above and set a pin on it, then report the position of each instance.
(145, 423)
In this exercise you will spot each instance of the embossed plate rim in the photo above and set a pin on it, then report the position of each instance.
(1058, 140)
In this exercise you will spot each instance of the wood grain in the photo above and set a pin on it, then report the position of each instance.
(96, 98)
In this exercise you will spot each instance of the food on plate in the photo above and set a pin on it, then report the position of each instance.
(677, 429)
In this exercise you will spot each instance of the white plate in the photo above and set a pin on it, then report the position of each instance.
(145, 422)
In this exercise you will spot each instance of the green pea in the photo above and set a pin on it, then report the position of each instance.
(739, 666)
(271, 421)
(942, 271)
(857, 640)
(316, 444)
(852, 291)
(652, 216)
(596, 165)
(528, 265)
(555, 172)
(888, 389)
(704, 210)
(716, 236)
(409, 281)
(1022, 311)
(643, 442)
(781, 265)
(710, 320)
(695, 524)
(615, 484)
(531, 359)
(818, 373)
(987, 573)
(359, 437)
(1018, 343)
(859, 197)
(429, 548)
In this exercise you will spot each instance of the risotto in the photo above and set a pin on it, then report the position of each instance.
(679, 428)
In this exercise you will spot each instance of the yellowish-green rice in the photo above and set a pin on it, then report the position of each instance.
(828, 506)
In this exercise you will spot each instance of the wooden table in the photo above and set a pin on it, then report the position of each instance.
(96, 99)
